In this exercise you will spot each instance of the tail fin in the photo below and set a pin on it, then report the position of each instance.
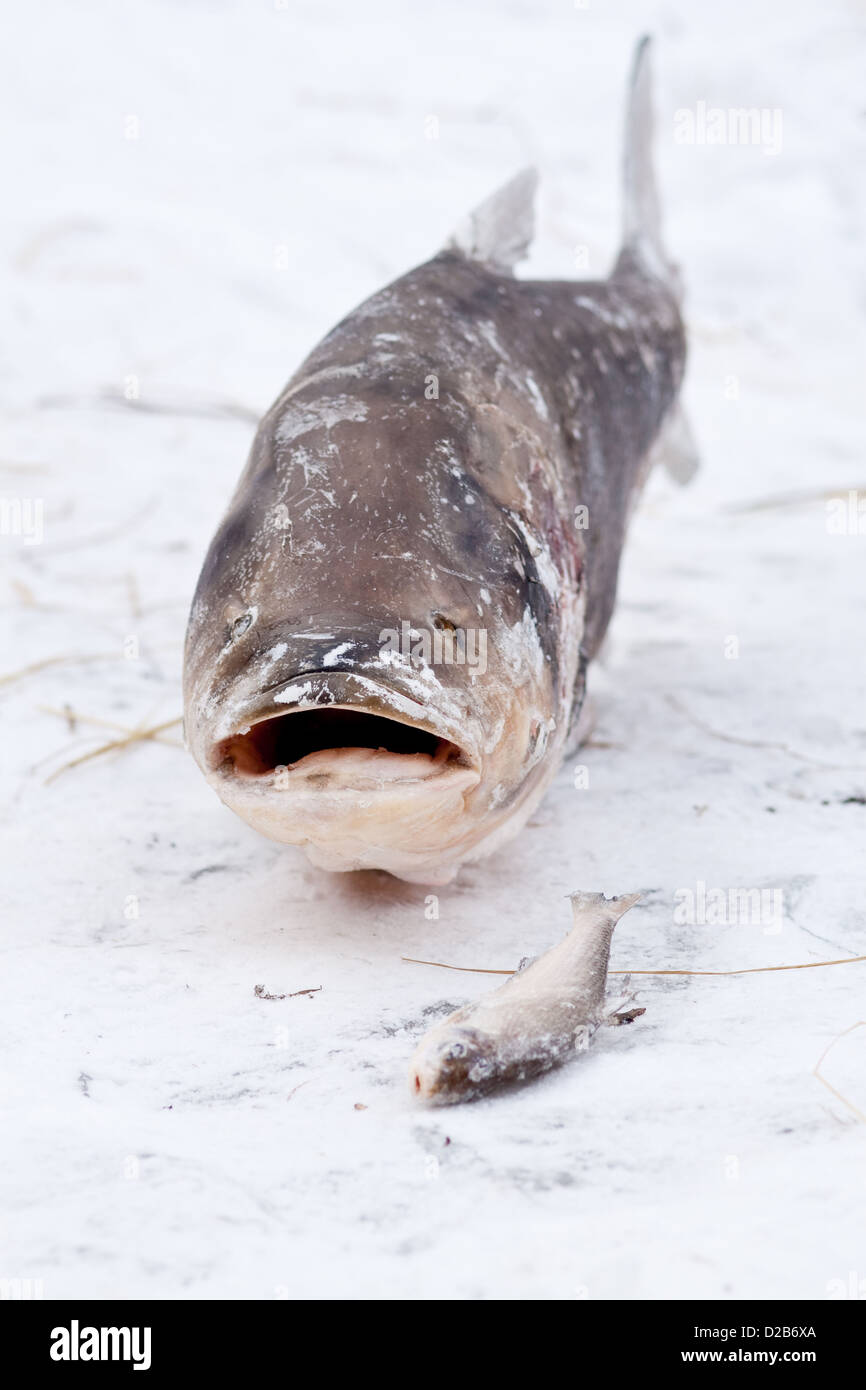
(589, 908)
(641, 220)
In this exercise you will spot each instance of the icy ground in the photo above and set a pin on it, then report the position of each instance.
(193, 194)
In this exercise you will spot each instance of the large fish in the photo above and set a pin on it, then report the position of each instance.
(388, 645)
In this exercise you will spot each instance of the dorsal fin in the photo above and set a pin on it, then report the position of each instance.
(498, 232)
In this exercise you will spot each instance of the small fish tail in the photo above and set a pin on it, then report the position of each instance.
(595, 905)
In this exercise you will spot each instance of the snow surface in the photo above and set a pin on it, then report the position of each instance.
(170, 1134)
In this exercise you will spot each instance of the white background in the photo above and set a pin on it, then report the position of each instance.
(168, 1133)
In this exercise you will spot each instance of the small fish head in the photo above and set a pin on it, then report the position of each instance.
(460, 1064)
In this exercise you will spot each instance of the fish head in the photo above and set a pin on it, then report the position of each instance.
(453, 1063)
(373, 660)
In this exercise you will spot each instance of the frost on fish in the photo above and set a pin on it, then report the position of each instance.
(540, 1017)
(426, 465)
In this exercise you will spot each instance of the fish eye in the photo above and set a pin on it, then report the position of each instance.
(444, 624)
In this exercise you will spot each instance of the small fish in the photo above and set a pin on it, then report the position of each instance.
(387, 650)
(544, 1013)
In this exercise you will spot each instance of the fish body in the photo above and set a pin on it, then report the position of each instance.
(387, 649)
(539, 1018)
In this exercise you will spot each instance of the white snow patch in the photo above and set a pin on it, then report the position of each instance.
(333, 656)
(293, 694)
(298, 419)
(540, 552)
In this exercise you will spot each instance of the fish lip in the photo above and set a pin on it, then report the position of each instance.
(333, 682)
(347, 690)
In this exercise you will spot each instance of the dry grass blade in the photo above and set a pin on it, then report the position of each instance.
(43, 665)
(24, 593)
(135, 736)
(749, 970)
(789, 499)
(816, 1070)
(756, 743)
(73, 717)
(467, 969)
(196, 409)
(110, 533)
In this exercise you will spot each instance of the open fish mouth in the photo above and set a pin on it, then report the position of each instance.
(338, 741)
(337, 730)
(359, 772)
